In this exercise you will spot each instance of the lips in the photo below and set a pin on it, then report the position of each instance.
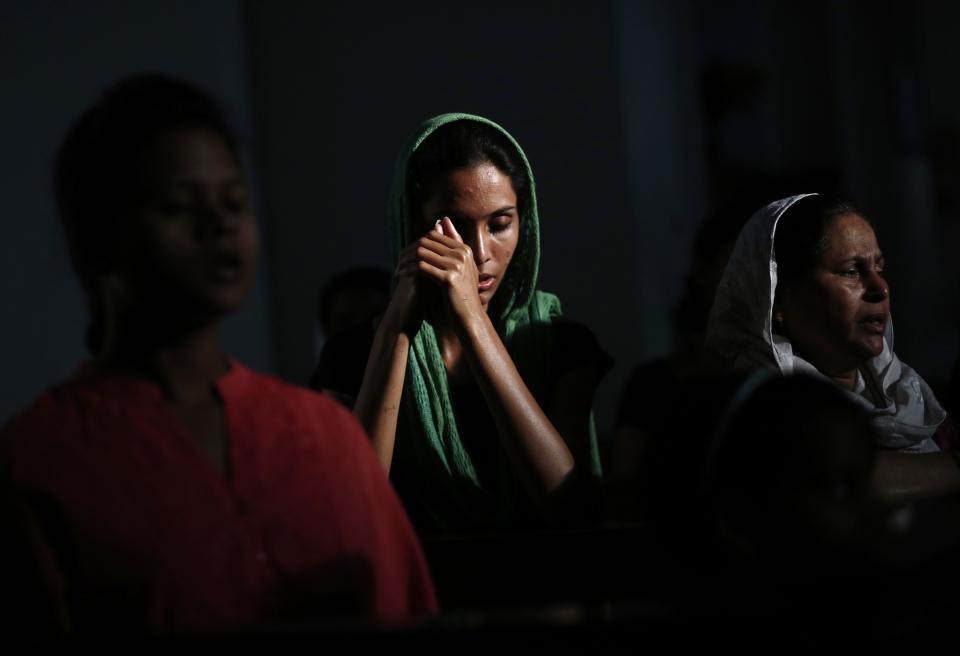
(875, 323)
(226, 266)
(485, 282)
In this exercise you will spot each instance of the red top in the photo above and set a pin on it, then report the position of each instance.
(134, 526)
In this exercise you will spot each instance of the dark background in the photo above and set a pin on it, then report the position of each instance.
(639, 118)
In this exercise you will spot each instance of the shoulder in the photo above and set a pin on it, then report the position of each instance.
(546, 305)
(38, 418)
(278, 410)
(576, 346)
(52, 411)
(48, 434)
(545, 342)
(564, 331)
(274, 398)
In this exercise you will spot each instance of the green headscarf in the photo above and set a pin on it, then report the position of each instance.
(429, 455)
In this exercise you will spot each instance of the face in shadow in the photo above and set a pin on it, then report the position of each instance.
(835, 315)
(188, 246)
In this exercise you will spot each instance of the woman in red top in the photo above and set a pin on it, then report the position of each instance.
(166, 487)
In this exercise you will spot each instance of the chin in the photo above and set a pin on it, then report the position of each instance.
(869, 351)
(213, 307)
(228, 298)
(876, 348)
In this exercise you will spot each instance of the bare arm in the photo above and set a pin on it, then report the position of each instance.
(905, 477)
(531, 440)
(378, 401)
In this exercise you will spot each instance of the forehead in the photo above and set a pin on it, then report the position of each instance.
(188, 151)
(850, 234)
(475, 183)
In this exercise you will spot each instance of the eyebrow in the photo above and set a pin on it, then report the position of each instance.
(864, 259)
(456, 216)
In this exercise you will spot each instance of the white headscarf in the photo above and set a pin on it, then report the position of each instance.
(740, 330)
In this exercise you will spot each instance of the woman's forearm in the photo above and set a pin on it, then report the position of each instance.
(378, 401)
(905, 477)
(531, 440)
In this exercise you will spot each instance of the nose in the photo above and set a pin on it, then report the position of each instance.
(481, 249)
(212, 219)
(876, 288)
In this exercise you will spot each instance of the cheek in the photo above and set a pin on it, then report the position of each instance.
(841, 305)
(815, 313)
(151, 247)
(171, 244)
(509, 247)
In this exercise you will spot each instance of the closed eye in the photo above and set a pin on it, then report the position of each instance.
(502, 219)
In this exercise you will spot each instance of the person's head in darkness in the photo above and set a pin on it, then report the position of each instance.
(155, 209)
(353, 297)
(788, 473)
(708, 256)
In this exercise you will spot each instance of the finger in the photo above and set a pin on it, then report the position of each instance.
(438, 243)
(441, 260)
(435, 273)
(434, 240)
(438, 226)
(455, 256)
(449, 229)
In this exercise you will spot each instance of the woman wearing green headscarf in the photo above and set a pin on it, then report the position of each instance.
(476, 393)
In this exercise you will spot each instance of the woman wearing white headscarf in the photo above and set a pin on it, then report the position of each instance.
(804, 292)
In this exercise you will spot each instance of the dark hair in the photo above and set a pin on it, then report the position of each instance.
(96, 174)
(457, 145)
(711, 248)
(801, 236)
(363, 278)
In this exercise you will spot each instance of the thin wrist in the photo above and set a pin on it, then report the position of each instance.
(391, 328)
(475, 327)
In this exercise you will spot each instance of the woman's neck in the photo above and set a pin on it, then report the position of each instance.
(842, 372)
(847, 379)
(184, 360)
